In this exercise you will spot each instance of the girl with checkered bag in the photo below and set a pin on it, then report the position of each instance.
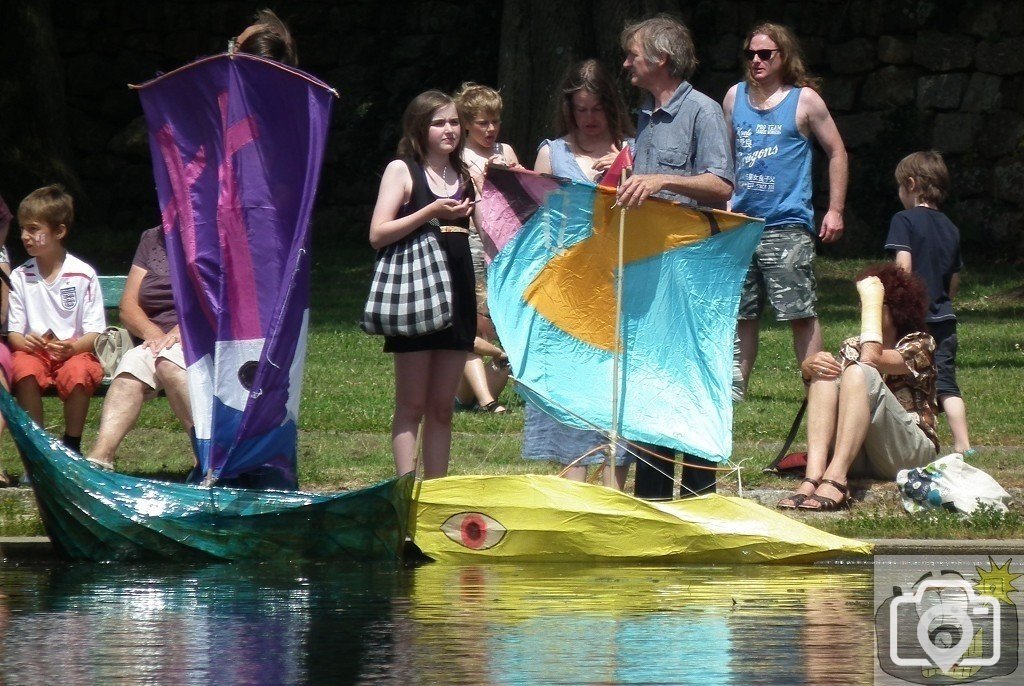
(429, 189)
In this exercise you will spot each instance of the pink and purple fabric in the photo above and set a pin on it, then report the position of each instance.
(237, 144)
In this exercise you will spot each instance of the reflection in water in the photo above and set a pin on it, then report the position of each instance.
(224, 624)
(707, 625)
(287, 624)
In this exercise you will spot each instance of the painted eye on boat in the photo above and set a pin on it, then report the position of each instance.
(474, 530)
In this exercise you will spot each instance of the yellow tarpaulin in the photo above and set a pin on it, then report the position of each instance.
(545, 518)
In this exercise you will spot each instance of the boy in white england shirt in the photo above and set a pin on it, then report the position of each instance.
(55, 314)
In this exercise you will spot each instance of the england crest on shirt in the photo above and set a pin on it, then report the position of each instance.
(68, 297)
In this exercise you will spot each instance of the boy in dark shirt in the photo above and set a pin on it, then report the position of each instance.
(925, 242)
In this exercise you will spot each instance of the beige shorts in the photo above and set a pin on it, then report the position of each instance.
(894, 439)
(141, 363)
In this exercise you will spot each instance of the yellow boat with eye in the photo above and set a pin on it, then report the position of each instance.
(540, 518)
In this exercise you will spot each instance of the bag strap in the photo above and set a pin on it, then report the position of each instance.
(6, 279)
(773, 468)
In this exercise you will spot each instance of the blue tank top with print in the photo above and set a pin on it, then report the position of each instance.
(773, 162)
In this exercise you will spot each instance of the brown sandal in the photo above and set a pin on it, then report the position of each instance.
(797, 498)
(493, 407)
(826, 504)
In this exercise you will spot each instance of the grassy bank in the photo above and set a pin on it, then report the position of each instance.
(348, 399)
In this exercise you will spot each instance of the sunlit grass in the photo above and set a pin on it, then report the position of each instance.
(348, 397)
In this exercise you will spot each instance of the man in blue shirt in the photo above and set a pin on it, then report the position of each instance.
(682, 150)
(682, 153)
(773, 114)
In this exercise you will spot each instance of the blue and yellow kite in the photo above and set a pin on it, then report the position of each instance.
(553, 246)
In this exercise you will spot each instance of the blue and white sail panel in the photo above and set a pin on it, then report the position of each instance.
(237, 145)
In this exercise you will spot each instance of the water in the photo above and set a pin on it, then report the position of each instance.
(498, 624)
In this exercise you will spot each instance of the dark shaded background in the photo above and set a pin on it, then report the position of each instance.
(899, 76)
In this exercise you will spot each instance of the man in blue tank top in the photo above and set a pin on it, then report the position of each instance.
(773, 115)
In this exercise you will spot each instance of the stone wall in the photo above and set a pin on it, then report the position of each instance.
(899, 76)
(377, 55)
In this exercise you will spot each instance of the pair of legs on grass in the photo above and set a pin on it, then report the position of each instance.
(807, 341)
(781, 274)
(656, 470)
(950, 399)
(579, 473)
(482, 383)
(547, 439)
(75, 379)
(425, 383)
(867, 431)
(139, 377)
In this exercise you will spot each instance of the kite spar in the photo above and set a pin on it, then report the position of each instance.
(617, 173)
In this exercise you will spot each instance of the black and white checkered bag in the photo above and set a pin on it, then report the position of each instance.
(411, 289)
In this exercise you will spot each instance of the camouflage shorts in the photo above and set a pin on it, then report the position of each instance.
(781, 272)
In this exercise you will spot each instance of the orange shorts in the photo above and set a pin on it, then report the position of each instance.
(82, 370)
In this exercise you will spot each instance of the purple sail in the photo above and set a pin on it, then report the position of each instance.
(237, 144)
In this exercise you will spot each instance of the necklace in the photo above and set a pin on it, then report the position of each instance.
(585, 158)
(443, 176)
(579, 146)
(769, 101)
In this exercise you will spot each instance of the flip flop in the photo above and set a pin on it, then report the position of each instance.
(493, 407)
(826, 504)
(106, 466)
(797, 498)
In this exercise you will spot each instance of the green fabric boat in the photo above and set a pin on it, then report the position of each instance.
(96, 515)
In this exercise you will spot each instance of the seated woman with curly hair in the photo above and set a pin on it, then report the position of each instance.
(874, 405)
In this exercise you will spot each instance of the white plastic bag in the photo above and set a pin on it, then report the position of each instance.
(951, 483)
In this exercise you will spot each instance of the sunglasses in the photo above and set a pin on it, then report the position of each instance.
(764, 55)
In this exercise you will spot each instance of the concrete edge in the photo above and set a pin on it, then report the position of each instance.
(925, 546)
(26, 548)
(39, 548)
